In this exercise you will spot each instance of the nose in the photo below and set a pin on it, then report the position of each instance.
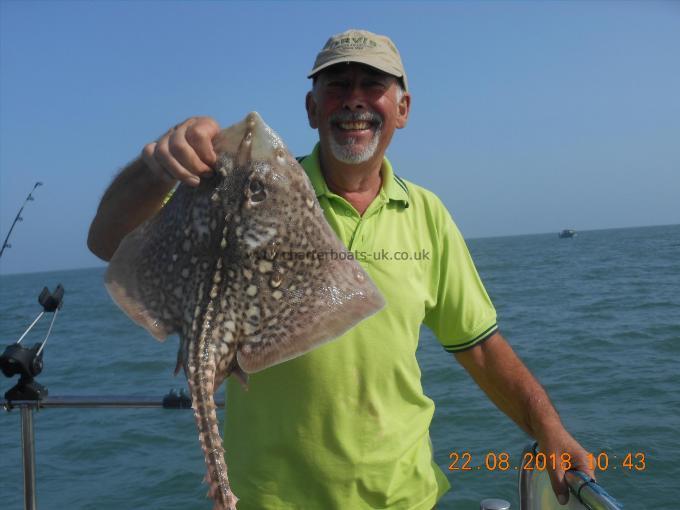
(354, 98)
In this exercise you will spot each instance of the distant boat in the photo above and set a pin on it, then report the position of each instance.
(566, 233)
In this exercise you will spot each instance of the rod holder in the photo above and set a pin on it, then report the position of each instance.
(27, 362)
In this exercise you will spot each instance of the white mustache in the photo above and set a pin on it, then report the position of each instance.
(356, 117)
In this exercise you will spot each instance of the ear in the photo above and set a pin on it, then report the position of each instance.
(403, 109)
(310, 105)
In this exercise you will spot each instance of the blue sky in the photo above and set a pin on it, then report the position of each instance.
(527, 117)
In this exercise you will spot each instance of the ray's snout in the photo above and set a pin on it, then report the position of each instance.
(251, 139)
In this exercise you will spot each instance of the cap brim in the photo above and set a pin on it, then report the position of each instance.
(355, 60)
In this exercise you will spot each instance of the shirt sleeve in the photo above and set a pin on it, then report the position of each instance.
(462, 314)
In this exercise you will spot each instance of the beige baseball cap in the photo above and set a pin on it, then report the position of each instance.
(362, 47)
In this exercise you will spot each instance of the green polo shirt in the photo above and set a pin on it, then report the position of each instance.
(346, 426)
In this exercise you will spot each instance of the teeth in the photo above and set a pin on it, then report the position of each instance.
(355, 125)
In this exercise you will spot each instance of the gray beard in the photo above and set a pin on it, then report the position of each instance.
(349, 154)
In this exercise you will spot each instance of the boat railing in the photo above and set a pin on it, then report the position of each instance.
(173, 400)
(591, 495)
(535, 488)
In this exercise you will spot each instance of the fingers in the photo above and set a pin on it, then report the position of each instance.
(166, 159)
(199, 135)
(577, 458)
(184, 142)
(582, 463)
(184, 152)
(154, 166)
(559, 485)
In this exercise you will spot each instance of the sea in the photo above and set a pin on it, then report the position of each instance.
(596, 318)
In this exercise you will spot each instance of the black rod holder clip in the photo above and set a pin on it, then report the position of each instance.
(52, 301)
(27, 362)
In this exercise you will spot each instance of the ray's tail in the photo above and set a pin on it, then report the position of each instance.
(205, 411)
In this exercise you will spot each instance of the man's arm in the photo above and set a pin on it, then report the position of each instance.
(508, 383)
(184, 153)
(135, 195)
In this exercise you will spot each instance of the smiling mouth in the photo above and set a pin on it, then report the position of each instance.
(357, 125)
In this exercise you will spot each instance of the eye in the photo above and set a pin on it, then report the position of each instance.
(337, 84)
(375, 84)
(257, 191)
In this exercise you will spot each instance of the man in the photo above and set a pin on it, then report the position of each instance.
(346, 426)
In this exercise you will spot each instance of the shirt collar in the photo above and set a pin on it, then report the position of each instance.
(392, 186)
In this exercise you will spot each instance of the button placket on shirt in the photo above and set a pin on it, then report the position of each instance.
(358, 241)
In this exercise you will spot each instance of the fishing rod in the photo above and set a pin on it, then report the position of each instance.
(18, 218)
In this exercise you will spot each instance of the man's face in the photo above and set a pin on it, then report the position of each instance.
(356, 110)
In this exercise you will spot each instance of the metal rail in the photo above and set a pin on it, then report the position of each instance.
(97, 401)
(28, 455)
(172, 400)
(592, 495)
(535, 491)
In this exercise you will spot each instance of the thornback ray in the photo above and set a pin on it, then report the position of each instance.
(245, 269)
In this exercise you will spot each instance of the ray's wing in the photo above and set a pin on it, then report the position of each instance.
(153, 274)
(299, 285)
(299, 310)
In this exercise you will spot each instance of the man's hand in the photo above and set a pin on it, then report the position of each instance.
(559, 441)
(185, 152)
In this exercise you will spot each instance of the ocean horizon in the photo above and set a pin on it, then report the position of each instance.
(467, 239)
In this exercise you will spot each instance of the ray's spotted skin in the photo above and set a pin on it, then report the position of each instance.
(237, 268)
